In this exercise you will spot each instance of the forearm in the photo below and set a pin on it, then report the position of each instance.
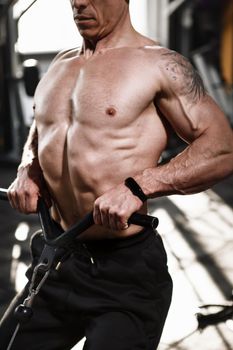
(30, 151)
(194, 170)
(29, 184)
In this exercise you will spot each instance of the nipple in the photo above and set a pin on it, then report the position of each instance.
(111, 111)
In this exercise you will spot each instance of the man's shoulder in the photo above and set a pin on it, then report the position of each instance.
(160, 52)
(157, 55)
(68, 53)
(176, 74)
(168, 62)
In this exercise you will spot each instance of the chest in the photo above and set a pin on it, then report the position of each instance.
(112, 86)
(107, 84)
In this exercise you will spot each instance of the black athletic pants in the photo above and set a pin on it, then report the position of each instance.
(116, 293)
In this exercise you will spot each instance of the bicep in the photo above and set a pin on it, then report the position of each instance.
(184, 101)
(190, 122)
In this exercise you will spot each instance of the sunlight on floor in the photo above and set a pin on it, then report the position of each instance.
(210, 220)
(79, 346)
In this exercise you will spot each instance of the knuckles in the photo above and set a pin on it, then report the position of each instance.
(113, 209)
(23, 200)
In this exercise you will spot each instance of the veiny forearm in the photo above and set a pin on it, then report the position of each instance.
(196, 169)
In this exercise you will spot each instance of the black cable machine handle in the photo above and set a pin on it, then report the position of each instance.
(214, 318)
(64, 238)
(48, 226)
(3, 194)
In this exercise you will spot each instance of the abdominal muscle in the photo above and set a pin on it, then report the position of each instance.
(93, 162)
(89, 162)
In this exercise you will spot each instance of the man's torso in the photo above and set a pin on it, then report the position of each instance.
(97, 124)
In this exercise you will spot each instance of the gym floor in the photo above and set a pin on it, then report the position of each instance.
(198, 234)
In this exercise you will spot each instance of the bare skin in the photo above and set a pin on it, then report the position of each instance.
(99, 118)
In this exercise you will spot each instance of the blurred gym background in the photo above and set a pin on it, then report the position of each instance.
(198, 229)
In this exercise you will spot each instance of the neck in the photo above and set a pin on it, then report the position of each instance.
(123, 34)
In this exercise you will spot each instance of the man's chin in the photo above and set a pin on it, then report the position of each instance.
(89, 35)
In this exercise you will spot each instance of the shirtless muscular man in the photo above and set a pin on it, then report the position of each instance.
(100, 116)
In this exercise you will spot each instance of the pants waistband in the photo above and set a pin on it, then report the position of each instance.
(116, 243)
(113, 243)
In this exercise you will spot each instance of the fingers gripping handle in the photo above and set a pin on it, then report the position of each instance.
(83, 225)
(64, 238)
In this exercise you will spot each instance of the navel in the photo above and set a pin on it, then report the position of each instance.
(111, 111)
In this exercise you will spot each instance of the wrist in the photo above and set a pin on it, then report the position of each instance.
(31, 166)
(136, 190)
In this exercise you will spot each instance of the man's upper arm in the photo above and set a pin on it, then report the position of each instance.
(184, 101)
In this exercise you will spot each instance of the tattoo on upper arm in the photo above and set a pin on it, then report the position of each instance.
(188, 79)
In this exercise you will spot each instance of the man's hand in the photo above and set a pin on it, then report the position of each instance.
(25, 190)
(114, 208)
